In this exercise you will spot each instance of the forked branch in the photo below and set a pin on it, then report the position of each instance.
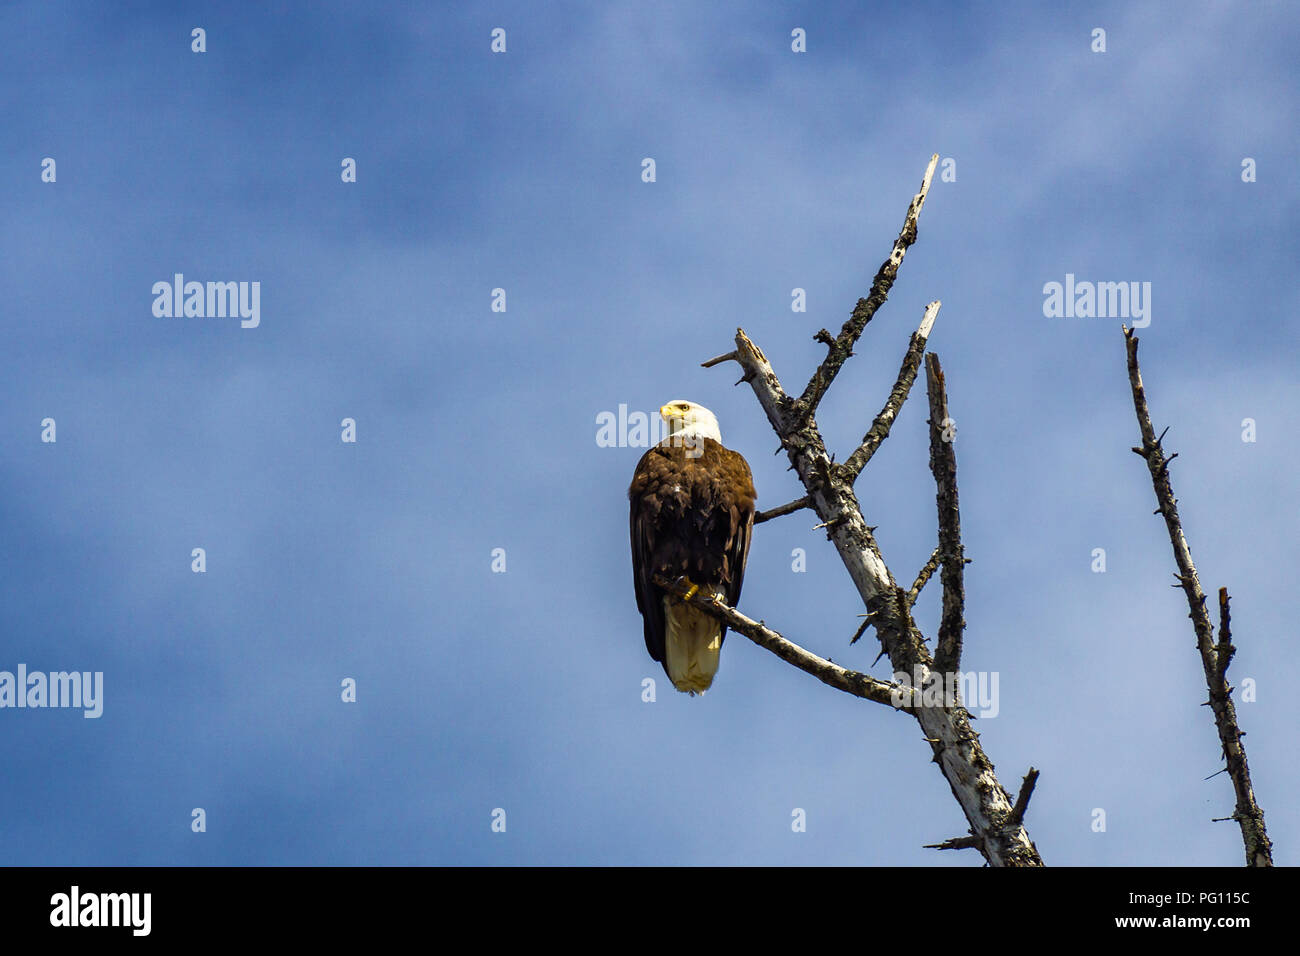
(841, 346)
(995, 829)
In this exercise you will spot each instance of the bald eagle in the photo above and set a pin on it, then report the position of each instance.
(692, 512)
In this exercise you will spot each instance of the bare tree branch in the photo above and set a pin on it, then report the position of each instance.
(956, 843)
(841, 347)
(943, 465)
(718, 360)
(862, 629)
(922, 577)
(790, 508)
(897, 396)
(828, 672)
(1214, 661)
(1022, 798)
(1224, 649)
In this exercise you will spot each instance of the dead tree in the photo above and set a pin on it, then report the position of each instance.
(1214, 657)
(929, 692)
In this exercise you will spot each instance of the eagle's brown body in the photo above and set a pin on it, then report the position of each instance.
(692, 510)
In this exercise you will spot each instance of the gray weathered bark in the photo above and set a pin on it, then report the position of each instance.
(996, 826)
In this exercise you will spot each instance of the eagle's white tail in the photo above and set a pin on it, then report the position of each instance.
(692, 644)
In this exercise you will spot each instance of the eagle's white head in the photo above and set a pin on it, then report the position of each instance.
(688, 420)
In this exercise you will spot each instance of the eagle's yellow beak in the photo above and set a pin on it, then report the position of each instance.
(672, 410)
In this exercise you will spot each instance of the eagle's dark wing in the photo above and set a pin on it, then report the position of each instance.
(649, 599)
(741, 526)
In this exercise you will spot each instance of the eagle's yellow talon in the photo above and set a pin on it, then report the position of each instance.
(691, 587)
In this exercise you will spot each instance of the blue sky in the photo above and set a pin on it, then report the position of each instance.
(476, 429)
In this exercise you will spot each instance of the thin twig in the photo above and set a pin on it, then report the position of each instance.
(922, 578)
(1022, 798)
(956, 843)
(862, 629)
